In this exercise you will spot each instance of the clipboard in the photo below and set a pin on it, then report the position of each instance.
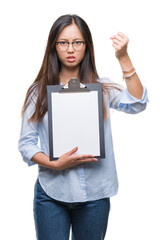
(75, 118)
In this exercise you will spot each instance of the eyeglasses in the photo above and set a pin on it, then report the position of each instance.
(63, 45)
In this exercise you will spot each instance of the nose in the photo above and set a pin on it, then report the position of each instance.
(70, 48)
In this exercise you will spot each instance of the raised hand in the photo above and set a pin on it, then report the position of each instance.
(120, 42)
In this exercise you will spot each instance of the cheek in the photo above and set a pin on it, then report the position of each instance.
(60, 55)
(81, 56)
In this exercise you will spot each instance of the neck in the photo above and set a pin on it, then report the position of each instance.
(67, 73)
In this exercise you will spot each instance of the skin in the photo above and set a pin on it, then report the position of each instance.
(71, 69)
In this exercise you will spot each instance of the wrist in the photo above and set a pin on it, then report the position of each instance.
(123, 58)
(125, 62)
(53, 165)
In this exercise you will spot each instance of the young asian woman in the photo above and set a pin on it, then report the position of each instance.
(74, 191)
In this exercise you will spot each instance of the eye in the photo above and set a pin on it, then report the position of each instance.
(77, 42)
(63, 43)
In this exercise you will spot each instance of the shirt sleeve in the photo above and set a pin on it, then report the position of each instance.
(121, 100)
(28, 141)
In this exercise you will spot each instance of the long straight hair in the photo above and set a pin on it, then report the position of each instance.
(51, 66)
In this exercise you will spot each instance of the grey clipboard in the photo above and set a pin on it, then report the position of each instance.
(62, 118)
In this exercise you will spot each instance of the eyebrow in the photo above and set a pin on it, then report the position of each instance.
(64, 39)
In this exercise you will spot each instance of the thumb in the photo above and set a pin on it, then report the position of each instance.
(72, 151)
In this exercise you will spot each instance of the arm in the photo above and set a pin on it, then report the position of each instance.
(133, 83)
(67, 160)
(120, 99)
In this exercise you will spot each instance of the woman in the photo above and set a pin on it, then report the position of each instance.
(75, 190)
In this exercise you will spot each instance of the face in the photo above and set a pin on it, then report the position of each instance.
(70, 57)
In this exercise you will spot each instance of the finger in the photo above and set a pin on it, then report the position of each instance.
(119, 38)
(117, 47)
(85, 156)
(82, 156)
(72, 151)
(86, 160)
(121, 44)
(116, 42)
(123, 35)
(120, 41)
(112, 37)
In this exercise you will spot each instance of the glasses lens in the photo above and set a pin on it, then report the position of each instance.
(77, 45)
(63, 46)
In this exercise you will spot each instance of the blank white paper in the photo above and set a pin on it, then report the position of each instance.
(75, 122)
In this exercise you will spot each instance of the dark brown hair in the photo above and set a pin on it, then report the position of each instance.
(51, 66)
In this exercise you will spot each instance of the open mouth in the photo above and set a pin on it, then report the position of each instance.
(71, 59)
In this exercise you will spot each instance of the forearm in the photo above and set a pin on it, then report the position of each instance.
(133, 83)
(67, 160)
(43, 160)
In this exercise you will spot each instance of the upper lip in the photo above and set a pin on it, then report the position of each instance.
(70, 57)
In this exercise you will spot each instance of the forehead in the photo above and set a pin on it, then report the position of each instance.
(70, 32)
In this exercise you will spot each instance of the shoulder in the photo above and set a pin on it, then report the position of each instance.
(104, 80)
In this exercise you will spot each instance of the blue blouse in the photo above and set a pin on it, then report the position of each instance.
(88, 181)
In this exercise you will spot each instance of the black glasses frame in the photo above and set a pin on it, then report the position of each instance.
(57, 43)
